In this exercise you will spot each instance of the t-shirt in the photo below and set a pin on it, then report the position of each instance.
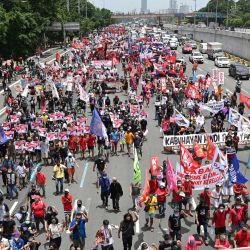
(59, 171)
(175, 221)
(222, 245)
(79, 230)
(241, 239)
(67, 202)
(55, 231)
(202, 211)
(100, 164)
(152, 201)
(127, 228)
(38, 209)
(129, 137)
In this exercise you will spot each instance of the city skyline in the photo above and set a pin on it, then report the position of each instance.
(152, 5)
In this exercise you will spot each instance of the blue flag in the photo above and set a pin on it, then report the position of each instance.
(248, 162)
(97, 127)
(234, 172)
(3, 137)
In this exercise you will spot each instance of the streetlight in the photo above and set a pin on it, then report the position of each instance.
(216, 12)
(194, 12)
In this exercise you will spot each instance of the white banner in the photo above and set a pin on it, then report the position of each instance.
(215, 74)
(238, 120)
(213, 107)
(204, 176)
(188, 140)
(100, 63)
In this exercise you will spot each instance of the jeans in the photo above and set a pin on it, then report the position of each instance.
(205, 225)
(115, 202)
(10, 189)
(161, 207)
(105, 198)
(127, 242)
(59, 181)
(176, 233)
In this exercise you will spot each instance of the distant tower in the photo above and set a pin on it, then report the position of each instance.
(144, 5)
(173, 5)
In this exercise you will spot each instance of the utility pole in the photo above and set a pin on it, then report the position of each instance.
(86, 9)
(194, 12)
(79, 8)
(216, 12)
(227, 12)
(67, 3)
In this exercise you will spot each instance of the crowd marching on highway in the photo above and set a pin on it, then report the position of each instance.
(90, 104)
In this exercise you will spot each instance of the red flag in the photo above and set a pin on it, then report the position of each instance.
(187, 161)
(245, 99)
(198, 150)
(192, 92)
(181, 75)
(58, 56)
(146, 190)
(210, 148)
(114, 61)
(154, 166)
(171, 177)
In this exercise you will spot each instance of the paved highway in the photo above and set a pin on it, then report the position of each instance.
(121, 166)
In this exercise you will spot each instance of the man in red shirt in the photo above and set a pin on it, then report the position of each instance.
(242, 238)
(41, 180)
(177, 195)
(205, 195)
(66, 199)
(237, 216)
(91, 145)
(219, 219)
(38, 210)
(188, 186)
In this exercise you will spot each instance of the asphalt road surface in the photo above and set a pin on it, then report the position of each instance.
(121, 166)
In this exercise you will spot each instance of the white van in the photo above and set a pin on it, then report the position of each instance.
(203, 48)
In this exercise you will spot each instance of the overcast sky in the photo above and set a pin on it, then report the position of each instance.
(153, 5)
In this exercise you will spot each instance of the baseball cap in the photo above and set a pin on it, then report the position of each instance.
(66, 190)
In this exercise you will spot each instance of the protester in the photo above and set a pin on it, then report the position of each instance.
(116, 192)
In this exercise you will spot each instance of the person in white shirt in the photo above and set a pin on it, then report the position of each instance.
(106, 230)
(79, 208)
(70, 163)
(217, 195)
(4, 243)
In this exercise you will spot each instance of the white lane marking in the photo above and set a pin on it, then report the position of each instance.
(13, 207)
(16, 82)
(244, 91)
(137, 226)
(88, 204)
(229, 91)
(71, 216)
(193, 203)
(86, 164)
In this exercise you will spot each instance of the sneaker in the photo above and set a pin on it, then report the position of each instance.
(206, 242)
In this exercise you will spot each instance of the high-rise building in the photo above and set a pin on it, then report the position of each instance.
(184, 8)
(144, 5)
(173, 5)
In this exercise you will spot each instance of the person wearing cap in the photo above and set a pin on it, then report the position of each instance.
(104, 184)
(161, 193)
(116, 192)
(66, 200)
(242, 238)
(217, 195)
(16, 243)
(41, 180)
(70, 163)
(32, 193)
(219, 219)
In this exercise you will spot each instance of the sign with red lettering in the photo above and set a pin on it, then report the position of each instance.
(203, 176)
(221, 78)
(154, 166)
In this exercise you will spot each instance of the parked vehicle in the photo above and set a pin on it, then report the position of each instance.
(239, 71)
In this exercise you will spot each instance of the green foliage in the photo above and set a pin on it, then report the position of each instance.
(23, 23)
(238, 13)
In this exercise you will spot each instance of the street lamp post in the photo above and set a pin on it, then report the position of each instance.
(194, 12)
(86, 9)
(216, 12)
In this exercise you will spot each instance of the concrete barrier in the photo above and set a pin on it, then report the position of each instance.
(235, 43)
